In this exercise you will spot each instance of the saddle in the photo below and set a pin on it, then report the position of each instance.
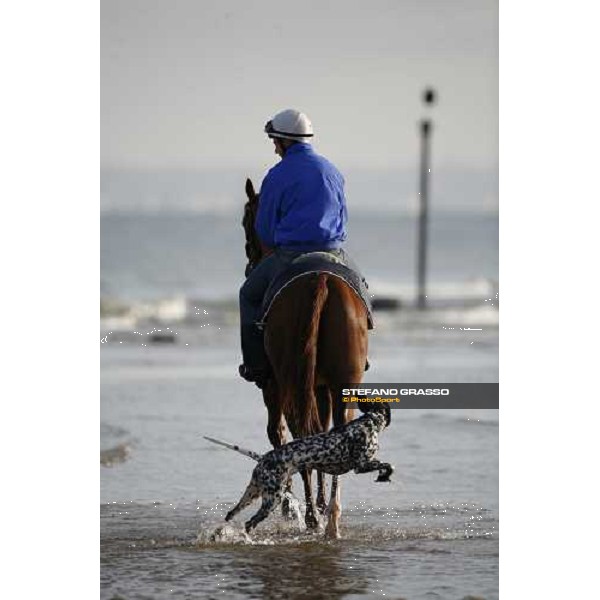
(317, 262)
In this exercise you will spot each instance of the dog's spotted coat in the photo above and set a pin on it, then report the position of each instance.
(349, 447)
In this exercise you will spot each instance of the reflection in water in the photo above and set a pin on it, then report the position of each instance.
(316, 571)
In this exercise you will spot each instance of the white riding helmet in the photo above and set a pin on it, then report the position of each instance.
(290, 124)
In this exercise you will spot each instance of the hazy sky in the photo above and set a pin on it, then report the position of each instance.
(190, 83)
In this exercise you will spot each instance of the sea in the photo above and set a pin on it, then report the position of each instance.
(169, 355)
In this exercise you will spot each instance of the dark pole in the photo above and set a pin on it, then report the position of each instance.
(425, 128)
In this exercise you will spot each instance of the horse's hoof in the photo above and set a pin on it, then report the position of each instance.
(332, 534)
(311, 521)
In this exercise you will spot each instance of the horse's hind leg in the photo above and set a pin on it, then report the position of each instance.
(252, 492)
(335, 510)
(340, 416)
(324, 407)
(309, 518)
(321, 492)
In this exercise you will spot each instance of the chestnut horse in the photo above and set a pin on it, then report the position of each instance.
(316, 337)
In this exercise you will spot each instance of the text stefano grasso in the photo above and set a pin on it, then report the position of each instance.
(396, 391)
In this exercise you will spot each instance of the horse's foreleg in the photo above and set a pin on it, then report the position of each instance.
(332, 530)
(275, 424)
(286, 511)
(309, 518)
(276, 433)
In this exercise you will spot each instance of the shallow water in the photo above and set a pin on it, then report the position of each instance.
(431, 533)
(421, 551)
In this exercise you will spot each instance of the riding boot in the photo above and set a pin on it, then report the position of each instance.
(256, 364)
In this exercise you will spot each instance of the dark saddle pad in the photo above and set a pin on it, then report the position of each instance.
(317, 262)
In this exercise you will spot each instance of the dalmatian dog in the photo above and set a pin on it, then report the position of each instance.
(352, 446)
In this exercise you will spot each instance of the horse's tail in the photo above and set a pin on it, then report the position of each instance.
(307, 411)
(235, 447)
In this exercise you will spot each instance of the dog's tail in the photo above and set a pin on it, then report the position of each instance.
(243, 451)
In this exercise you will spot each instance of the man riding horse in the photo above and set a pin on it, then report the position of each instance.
(302, 209)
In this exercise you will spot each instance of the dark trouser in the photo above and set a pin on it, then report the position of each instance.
(251, 299)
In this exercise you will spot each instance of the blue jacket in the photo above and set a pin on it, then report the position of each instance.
(302, 204)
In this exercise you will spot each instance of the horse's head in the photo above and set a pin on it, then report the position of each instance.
(254, 250)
